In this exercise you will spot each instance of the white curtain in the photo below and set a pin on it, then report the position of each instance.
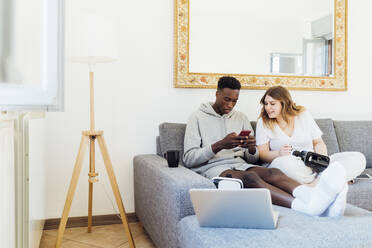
(7, 192)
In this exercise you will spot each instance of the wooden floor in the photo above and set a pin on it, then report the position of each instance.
(109, 236)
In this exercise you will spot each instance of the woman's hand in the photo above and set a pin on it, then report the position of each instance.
(285, 150)
(320, 147)
(265, 154)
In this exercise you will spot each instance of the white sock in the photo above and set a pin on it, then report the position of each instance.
(330, 184)
(302, 192)
(337, 208)
(299, 205)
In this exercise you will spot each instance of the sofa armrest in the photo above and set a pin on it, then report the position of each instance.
(162, 196)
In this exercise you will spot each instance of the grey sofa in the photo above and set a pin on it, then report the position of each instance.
(163, 205)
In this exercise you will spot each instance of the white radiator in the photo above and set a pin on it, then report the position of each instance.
(21, 224)
(7, 184)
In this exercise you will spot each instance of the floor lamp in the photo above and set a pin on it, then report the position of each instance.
(90, 137)
(94, 39)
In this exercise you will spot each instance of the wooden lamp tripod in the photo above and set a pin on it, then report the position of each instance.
(91, 136)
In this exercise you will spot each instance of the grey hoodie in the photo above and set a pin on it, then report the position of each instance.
(204, 128)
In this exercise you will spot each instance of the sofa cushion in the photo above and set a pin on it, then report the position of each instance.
(171, 136)
(294, 230)
(254, 124)
(360, 192)
(355, 136)
(158, 149)
(329, 135)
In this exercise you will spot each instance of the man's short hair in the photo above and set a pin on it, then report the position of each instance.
(228, 82)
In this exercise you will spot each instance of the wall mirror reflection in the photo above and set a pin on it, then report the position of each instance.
(302, 46)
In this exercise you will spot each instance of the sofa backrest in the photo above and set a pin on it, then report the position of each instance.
(354, 136)
(171, 136)
(329, 135)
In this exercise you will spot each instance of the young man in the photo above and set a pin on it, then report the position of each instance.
(213, 148)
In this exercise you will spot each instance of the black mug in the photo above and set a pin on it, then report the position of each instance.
(172, 157)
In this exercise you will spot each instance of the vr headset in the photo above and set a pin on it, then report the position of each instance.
(227, 183)
(317, 162)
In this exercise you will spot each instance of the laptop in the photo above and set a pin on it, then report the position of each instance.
(234, 208)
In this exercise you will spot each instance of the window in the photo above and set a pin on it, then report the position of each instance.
(286, 63)
(31, 55)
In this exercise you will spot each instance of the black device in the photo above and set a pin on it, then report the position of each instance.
(317, 162)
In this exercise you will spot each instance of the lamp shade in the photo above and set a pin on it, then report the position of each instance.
(94, 39)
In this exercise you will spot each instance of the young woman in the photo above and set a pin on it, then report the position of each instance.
(284, 127)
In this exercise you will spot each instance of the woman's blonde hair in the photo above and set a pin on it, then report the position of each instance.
(289, 108)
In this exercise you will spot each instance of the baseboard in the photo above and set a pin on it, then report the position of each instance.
(82, 221)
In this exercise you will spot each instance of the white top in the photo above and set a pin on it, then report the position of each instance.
(305, 131)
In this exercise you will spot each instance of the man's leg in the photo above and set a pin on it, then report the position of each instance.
(313, 201)
(294, 168)
(251, 179)
(276, 178)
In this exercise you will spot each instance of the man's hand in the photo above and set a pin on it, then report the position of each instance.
(230, 141)
(249, 142)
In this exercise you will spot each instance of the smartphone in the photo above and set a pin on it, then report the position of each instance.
(245, 133)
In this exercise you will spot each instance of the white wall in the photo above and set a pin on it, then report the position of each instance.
(135, 94)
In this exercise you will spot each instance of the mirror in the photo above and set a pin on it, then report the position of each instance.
(299, 44)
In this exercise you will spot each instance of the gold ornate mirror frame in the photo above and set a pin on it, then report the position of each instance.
(185, 79)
